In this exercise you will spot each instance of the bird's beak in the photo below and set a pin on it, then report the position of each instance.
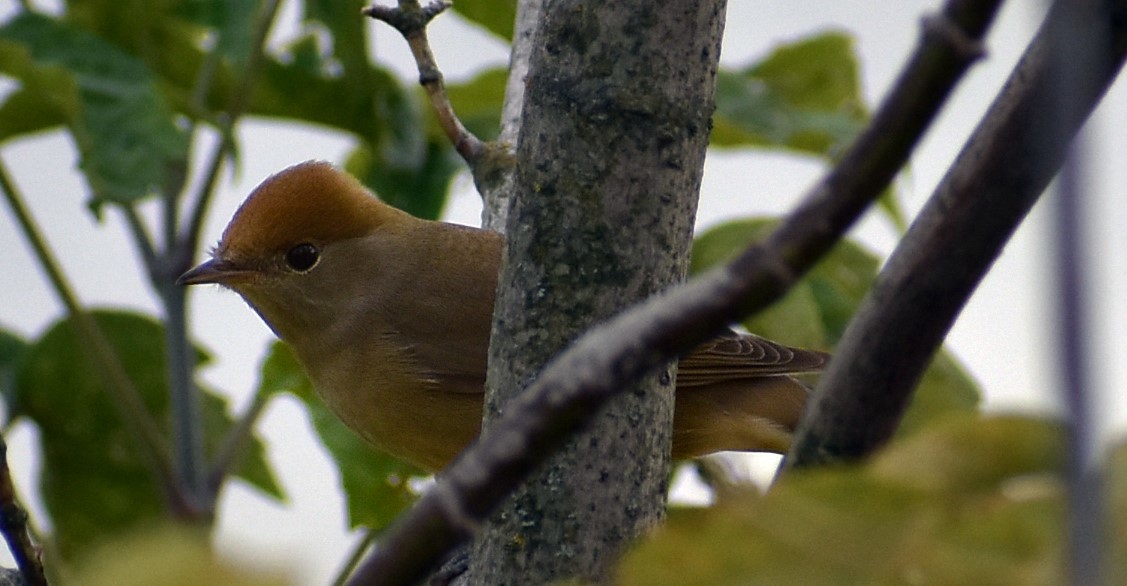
(216, 270)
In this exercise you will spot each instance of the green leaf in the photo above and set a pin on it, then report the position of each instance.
(420, 191)
(171, 554)
(816, 311)
(816, 73)
(495, 16)
(1116, 512)
(970, 501)
(94, 482)
(26, 111)
(124, 127)
(231, 22)
(12, 349)
(973, 454)
(48, 97)
(375, 484)
(347, 28)
(944, 390)
(840, 282)
(327, 60)
(804, 96)
(796, 318)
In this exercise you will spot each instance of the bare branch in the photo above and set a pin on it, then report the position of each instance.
(997, 178)
(411, 20)
(13, 524)
(602, 362)
(362, 546)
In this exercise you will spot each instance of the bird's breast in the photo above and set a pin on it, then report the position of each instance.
(382, 394)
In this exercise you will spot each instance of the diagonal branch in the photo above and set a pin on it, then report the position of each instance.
(997, 178)
(608, 357)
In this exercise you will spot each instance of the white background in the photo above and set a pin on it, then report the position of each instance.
(1004, 336)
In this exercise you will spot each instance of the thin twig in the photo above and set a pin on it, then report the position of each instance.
(411, 20)
(141, 238)
(362, 546)
(13, 524)
(175, 178)
(236, 442)
(191, 234)
(996, 179)
(178, 179)
(201, 87)
(135, 416)
(605, 359)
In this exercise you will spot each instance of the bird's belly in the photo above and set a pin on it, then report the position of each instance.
(397, 411)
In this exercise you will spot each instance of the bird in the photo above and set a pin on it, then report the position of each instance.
(389, 315)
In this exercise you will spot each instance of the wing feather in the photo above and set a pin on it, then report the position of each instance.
(734, 356)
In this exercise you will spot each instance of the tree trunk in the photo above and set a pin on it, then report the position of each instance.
(609, 161)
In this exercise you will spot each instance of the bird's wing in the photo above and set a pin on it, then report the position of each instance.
(736, 356)
(437, 292)
(455, 365)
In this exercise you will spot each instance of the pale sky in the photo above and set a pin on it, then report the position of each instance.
(1003, 336)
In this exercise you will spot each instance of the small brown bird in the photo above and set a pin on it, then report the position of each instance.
(390, 317)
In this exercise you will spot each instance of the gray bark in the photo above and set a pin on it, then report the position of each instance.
(497, 198)
(609, 161)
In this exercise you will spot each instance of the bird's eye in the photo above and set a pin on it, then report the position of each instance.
(302, 257)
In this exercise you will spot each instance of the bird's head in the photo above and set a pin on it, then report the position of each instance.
(295, 248)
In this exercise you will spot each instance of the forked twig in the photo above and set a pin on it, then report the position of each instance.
(411, 19)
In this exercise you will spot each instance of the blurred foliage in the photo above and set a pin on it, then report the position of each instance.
(94, 482)
(968, 500)
(805, 96)
(171, 556)
(12, 348)
(495, 16)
